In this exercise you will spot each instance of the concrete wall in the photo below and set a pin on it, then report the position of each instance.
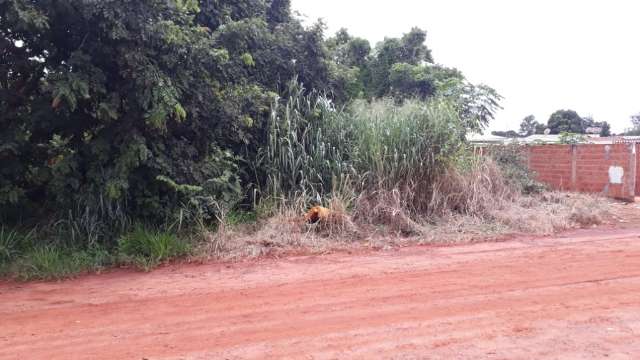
(606, 169)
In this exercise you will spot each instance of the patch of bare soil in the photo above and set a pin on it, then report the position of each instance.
(625, 215)
(573, 296)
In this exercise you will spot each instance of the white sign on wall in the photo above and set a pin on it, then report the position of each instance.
(615, 174)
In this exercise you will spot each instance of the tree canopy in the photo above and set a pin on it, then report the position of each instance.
(404, 68)
(605, 130)
(530, 126)
(566, 121)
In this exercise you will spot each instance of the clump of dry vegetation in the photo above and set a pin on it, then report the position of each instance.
(390, 209)
(465, 205)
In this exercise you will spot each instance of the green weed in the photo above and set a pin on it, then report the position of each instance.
(13, 242)
(9, 240)
(54, 263)
(241, 217)
(147, 248)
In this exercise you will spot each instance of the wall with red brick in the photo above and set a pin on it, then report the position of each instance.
(552, 165)
(594, 168)
(637, 169)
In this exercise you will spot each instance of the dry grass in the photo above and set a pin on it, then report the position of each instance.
(475, 191)
(553, 211)
(390, 209)
(284, 231)
(390, 226)
(541, 214)
(475, 205)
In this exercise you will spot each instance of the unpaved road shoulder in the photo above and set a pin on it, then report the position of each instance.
(570, 297)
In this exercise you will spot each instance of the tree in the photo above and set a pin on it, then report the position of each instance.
(409, 49)
(350, 57)
(566, 121)
(414, 50)
(142, 106)
(603, 127)
(529, 126)
(477, 105)
(540, 129)
(403, 68)
(408, 80)
(279, 12)
(635, 120)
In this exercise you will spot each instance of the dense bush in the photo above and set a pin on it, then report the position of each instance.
(140, 105)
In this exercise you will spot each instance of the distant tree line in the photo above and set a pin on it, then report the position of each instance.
(561, 121)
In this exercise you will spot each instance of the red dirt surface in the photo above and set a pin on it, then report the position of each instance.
(575, 296)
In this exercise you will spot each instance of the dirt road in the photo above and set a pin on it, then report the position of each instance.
(570, 297)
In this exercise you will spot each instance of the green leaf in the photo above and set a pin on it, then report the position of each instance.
(247, 59)
(180, 112)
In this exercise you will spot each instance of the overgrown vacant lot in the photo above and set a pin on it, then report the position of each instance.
(137, 132)
(172, 170)
(389, 175)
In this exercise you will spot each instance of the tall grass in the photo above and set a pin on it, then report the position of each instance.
(62, 249)
(376, 166)
(80, 240)
(397, 145)
(315, 150)
(92, 223)
(305, 153)
(12, 242)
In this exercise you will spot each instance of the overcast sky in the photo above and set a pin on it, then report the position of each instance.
(541, 55)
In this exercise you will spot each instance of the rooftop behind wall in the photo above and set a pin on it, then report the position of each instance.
(593, 168)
